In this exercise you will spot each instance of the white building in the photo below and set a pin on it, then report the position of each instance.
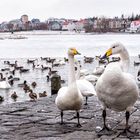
(69, 26)
(135, 26)
(17, 24)
(80, 25)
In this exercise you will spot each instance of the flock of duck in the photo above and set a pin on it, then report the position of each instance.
(116, 89)
(12, 73)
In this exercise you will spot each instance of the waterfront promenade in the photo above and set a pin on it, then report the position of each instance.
(39, 120)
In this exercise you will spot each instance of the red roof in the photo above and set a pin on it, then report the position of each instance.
(136, 22)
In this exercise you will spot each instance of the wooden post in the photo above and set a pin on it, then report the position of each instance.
(55, 83)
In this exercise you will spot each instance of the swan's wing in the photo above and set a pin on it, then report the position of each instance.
(4, 85)
(130, 82)
(91, 78)
(98, 70)
(85, 87)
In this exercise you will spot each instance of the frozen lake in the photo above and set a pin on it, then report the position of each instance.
(55, 44)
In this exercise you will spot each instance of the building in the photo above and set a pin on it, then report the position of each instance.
(135, 26)
(17, 24)
(24, 19)
(80, 25)
(4, 27)
(69, 26)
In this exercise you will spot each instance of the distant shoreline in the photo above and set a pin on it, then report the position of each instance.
(43, 32)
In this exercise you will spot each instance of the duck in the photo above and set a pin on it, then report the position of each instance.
(88, 59)
(86, 88)
(44, 94)
(22, 84)
(138, 78)
(4, 84)
(5, 69)
(26, 88)
(70, 97)
(37, 66)
(138, 75)
(1, 77)
(13, 64)
(1, 98)
(32, 95)
(51, 72)
(24, 70)
(34, 84)
(116, 88)
(31, 61)
(14, 96)
(44, 67)
(44, 58)
(136, 63)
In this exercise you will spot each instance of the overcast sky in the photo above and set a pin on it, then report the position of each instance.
(76, 9)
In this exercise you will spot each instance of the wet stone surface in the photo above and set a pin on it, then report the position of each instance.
(40, 120)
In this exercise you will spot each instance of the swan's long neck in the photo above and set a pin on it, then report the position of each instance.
(125, 60)
(78, 71)
(71, 76)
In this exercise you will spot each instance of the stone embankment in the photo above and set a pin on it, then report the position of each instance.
(39, 120)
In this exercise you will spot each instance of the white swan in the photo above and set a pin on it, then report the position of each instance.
(4, 84)
(117, 89)
(86, 87)
(99, 70)
(70, 98)
(91, 78)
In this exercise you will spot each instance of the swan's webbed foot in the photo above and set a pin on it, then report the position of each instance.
(79, 125)
(128, 133)
(61, 123)
(86, 101)
(105, 131)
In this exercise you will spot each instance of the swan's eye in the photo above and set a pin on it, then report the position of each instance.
(113, 47)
